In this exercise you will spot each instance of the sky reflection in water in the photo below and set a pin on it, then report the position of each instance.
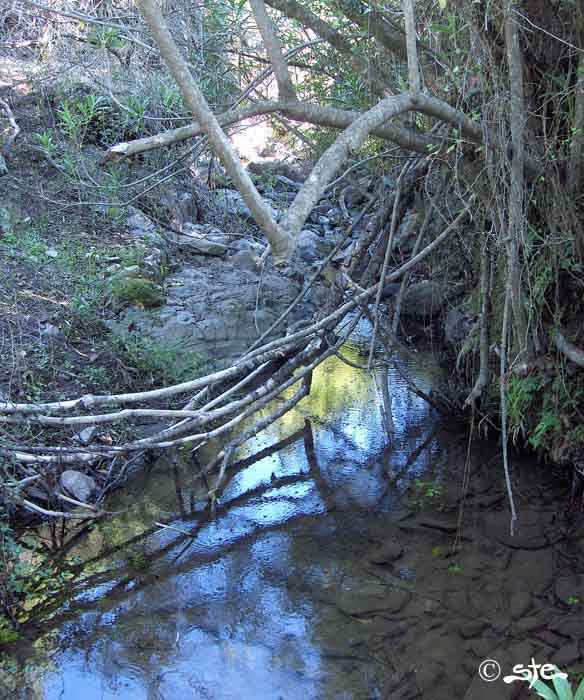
(220, 616)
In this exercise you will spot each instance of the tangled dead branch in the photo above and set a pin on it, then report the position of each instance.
(240, 391)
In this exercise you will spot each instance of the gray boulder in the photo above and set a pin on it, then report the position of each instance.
(310, 247)
(406, 234)
(245, 259)
(425, 300)
(78, 485)
(86, 435)
(213, 309)
(142, 228)
(456, 327)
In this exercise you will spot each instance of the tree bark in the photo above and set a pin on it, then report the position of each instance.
(517, 186)
(411, 40)
(577, 145)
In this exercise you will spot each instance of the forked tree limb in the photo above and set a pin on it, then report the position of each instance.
(349, 141)
(281, 242)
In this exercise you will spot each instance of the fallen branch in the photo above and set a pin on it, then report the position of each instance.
(297, 111)
(89, 400)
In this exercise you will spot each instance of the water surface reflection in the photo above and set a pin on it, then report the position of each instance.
(238, 606)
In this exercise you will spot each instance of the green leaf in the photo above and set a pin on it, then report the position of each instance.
(562, 687)
(441, 28)
(580, 692)
(442, 4)
(544, 691)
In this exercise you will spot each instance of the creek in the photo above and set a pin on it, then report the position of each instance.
(339, 563)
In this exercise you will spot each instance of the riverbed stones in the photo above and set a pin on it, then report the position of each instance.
(371, 598)
(428, 675)
(527, 624)
(309, 246)
(142, 228)
(387, 553)
(78, 485)
(232, 203)
(489, 690)
(471, 628)
(519, 604)
(199, 245)
(570, 589)
(245, 259)
(215, 308)
(572, 626)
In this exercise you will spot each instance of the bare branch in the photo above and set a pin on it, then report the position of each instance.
(378, 80)
(301, 112)
(273, 47)
(571, 351)
(13, 124)
(411, 40)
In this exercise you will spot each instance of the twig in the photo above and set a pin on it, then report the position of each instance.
(13, 124)
(386, 258)
(503, 399)
(423, 228)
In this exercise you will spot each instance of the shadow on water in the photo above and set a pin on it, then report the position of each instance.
(328, 571)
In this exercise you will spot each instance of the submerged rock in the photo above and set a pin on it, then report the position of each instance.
(387, 553)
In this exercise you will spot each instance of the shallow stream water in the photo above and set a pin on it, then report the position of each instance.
(340, 564)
